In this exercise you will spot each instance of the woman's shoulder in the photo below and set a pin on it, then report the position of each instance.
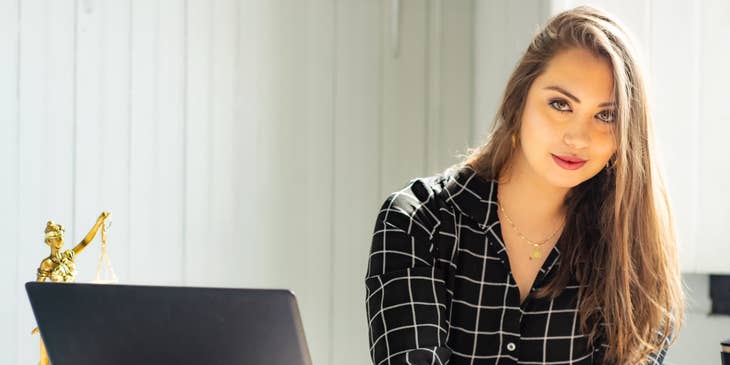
(418, 201)
(459, 189)
(421, 191)
(46, 265)
(441, 186)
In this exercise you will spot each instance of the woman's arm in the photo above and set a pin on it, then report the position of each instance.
(92, 233)
(657, 358)
(405, 293)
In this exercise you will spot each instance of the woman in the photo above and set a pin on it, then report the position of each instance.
(553, 242)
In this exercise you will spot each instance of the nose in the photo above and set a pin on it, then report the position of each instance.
(577, 134)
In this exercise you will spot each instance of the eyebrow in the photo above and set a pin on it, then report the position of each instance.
(568, 94)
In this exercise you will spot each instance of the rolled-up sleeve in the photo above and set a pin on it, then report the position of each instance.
(405, 292)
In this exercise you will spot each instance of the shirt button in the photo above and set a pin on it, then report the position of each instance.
(511, 346)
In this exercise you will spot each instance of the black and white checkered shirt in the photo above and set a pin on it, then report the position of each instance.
(440, 289)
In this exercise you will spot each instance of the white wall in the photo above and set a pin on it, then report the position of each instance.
(236, 143)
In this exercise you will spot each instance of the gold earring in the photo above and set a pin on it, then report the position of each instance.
(514, 141)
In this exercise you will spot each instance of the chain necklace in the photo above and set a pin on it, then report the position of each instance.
(536, 253)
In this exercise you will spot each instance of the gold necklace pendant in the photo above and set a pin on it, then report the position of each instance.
(536, 254)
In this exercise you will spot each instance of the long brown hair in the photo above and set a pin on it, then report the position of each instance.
(618, 241)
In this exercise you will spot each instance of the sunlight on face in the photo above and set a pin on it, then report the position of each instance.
(569, 113)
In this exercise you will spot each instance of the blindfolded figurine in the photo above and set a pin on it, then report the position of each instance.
(59, 265)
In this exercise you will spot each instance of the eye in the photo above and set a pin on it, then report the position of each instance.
(606, 116)
(560, 105)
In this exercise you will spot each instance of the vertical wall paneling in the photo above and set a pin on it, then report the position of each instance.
(314, 289)
(197, 169)
(10, 276)
(404, 92)
(713, 244)
(688, 234)
(248, 115)
(146, 244)
(267, 198)
(675, 113)
(524, 18)
(282, 191)
(61, 116)
(507, 26)
(283, 161)
(168, 213)
(433, 91)
(223, 242)
(456, 74)
(359, 27)
(46, 140)
(490, 74)
(31, 175)
(85, 108)
(634, 16)
(114, 122)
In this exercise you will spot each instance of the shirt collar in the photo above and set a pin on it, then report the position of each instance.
(476, 198)
(472, 195)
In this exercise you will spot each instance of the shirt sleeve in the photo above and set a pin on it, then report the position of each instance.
(405, 292)
(655, 358)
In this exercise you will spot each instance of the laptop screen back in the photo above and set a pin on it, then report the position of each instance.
(124, 324)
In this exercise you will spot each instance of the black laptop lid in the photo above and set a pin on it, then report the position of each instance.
(124, 324)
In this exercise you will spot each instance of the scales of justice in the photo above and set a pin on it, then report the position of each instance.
(59, 266)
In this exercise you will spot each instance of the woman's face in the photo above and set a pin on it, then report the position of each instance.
(55, 242)
(569, 114)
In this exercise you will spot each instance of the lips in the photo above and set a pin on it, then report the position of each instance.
(569, 162)
(571, 159)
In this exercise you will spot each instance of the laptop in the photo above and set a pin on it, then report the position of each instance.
(127, 324)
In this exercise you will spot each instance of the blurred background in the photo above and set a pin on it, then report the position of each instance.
(249, 143)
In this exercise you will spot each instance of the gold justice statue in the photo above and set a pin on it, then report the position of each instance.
(59, 265)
